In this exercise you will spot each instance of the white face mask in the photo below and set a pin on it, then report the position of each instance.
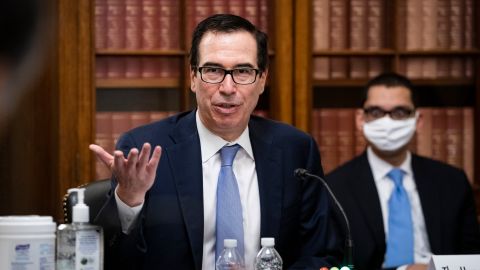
(388, 134)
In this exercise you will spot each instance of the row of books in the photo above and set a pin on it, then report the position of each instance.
(156, 24)
(325, 68)
(111, 124)
(256, 11)
(446, 135)
(343, 24)
(421, 25)
(121, 67)
(137, 24)
(435, 24)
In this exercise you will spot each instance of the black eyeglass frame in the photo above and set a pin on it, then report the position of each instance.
(229, 71)
(409, 112)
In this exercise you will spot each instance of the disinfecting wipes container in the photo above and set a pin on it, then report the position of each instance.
(27, 243)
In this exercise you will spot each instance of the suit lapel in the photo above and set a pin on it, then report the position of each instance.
(366, 196)
(268, 167)
(429, 201)
(186, 167)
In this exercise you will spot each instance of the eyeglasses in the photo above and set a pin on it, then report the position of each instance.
(398, 113)
(239, 75)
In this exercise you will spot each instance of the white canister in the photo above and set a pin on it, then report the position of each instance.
(27, 243)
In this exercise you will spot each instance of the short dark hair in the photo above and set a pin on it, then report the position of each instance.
(228, 23)
(390, 79)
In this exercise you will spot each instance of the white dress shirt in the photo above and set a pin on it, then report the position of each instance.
(246, 175)
(385, 185)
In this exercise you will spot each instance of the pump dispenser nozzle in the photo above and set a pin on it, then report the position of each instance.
(81, 212)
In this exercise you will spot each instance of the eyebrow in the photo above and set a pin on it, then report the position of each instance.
(394, 108)
(213, 64)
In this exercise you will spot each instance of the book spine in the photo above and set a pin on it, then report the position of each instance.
(328, 139)
(358, 37)
(263, 15)
(345, 134)
(438, 134)
(252, 11)
(424, 133)
(103, 138)
(237, 7)
(101, 67)
(468, 143)
(133, 24)
(115, 67)
(133, 67)
(101, 24)
(429, 20)
(115, 24)
(454, 137)
(321, 38)
(150, 25)
(338, 38)
(169, 23)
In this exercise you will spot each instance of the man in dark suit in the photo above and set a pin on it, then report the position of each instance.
(439, 217)
(162, 209)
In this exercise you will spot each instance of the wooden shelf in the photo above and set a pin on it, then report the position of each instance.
(439, 52)
(123, 52)
(382, 52)
(392, 52)
(444, 82)
(340, 83)
(420, 82)
(138, 83)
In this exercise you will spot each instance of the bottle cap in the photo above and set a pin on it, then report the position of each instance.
(268, 241)
(230, 243)
(81, 211)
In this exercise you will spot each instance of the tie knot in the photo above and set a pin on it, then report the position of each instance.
(227, 154)
(397, 176)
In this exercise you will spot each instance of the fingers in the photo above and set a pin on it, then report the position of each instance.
(153, 163)
(144, 156)
(132, 160)
(103, 155)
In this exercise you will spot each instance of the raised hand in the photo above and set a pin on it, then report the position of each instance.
(135, 174)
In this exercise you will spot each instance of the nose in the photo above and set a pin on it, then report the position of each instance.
(227, 86)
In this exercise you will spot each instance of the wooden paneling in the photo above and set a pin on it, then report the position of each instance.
(303, 62)
(281, 96)
(76, 97)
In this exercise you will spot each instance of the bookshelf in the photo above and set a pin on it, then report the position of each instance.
(433, 42)
(58, 157)
(142, 67)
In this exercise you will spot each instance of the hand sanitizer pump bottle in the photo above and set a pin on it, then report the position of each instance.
(80, 244)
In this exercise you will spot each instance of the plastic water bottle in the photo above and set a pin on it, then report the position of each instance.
(230, 259)
(268, 258)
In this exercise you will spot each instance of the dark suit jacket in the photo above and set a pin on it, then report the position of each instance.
(169, 231)
(447, 204)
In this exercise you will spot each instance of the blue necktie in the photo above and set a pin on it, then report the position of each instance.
(400, 226)
(229, 207)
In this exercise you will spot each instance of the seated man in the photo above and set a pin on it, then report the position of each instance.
(173, 210)
(402, 207)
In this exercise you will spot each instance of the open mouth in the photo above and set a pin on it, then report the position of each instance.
(226, 108)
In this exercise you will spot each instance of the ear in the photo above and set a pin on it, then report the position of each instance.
(420, 121)
(263, 80)
(193, 85)
(359, 119)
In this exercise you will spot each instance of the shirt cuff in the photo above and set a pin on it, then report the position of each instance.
(403, 267)
(126, 213)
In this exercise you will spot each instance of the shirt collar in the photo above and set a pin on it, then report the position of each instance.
(210, 143)
(381, 168)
